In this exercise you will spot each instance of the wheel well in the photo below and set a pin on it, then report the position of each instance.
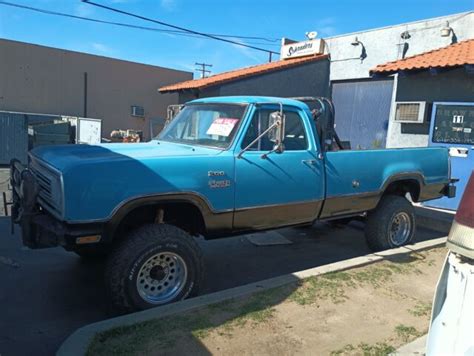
(186, 216)
(402, 187)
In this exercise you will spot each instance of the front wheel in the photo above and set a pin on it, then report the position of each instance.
(157, 264)
(391, 224)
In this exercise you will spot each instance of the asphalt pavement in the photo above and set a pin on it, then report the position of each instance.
(47, 294)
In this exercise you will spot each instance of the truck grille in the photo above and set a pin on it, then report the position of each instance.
(49, 183)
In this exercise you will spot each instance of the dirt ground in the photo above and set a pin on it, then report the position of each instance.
(370, 310)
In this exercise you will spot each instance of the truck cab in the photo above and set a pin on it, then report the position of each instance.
(222, 166)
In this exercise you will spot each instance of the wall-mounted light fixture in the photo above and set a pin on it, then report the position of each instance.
(355, 41)
(363, 54)
(446, 30)
(405, 35)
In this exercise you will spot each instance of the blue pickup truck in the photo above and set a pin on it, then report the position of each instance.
(222, 166)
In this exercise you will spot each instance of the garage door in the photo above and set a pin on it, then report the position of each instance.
(13, 137)
(362, 112)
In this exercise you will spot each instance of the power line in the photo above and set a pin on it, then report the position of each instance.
(270, 52)
(121, 24)
(203, 69)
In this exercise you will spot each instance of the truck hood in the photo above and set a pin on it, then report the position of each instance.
(64, 156)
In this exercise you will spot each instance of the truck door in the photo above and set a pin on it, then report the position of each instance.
(452, 126)
(283, 188)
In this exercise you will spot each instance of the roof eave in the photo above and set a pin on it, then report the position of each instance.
(170, 88)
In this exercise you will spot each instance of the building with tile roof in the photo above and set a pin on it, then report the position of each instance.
(433, 105)
(452, 56)
(441, 75)
(299, 76)
(241, 73)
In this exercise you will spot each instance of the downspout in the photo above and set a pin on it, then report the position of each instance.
(391, 117)
(85, 95)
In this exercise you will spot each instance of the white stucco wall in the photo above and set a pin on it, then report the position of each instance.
(385, 44)
(395, 139)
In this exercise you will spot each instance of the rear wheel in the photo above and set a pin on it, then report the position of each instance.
(157, 264)
(391, 224)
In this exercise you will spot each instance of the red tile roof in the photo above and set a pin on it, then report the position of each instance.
(451, 56)
(240, 73)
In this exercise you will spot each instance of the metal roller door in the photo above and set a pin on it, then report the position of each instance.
(13, 137)
(363, 111)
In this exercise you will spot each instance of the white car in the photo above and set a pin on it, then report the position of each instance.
(452, 319)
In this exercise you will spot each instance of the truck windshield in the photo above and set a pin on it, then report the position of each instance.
(204, 124)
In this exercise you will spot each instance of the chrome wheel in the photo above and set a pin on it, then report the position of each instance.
(162, 277)
(400, 228)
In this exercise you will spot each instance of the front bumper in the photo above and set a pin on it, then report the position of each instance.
(39, 229)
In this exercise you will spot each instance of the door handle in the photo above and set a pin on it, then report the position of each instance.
(310, 162)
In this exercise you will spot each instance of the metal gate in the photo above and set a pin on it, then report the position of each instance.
(363, 111)
(452, 126)
(13, 137)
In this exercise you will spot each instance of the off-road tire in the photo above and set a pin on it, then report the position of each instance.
(379, 222)
(125, 260)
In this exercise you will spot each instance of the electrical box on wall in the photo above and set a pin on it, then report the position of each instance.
(413, 112)
(138, 111)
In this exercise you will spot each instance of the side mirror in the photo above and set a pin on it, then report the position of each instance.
(277, 131)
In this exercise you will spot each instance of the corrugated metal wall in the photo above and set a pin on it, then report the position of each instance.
(13, 137)
(362, 112)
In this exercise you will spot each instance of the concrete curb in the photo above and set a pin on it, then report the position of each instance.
(416, 347)
(78, 342)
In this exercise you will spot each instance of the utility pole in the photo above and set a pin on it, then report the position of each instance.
(203, 69)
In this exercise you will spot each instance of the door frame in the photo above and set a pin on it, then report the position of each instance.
(264, 216)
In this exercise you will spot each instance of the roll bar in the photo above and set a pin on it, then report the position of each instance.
(327, 113)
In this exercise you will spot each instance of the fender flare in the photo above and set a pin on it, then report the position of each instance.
(400, 177)
(124, 208)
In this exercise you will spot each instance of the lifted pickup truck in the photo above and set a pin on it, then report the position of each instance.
(222, 166)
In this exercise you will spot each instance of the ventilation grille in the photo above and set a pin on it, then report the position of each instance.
(138, 111)
(410, 112)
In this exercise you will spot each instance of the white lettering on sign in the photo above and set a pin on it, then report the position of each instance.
(222, 127)
(458, 119)
(300, 49)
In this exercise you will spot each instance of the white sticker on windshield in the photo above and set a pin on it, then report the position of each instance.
(222, 126)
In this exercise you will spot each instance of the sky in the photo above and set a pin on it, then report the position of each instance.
(268, 19)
